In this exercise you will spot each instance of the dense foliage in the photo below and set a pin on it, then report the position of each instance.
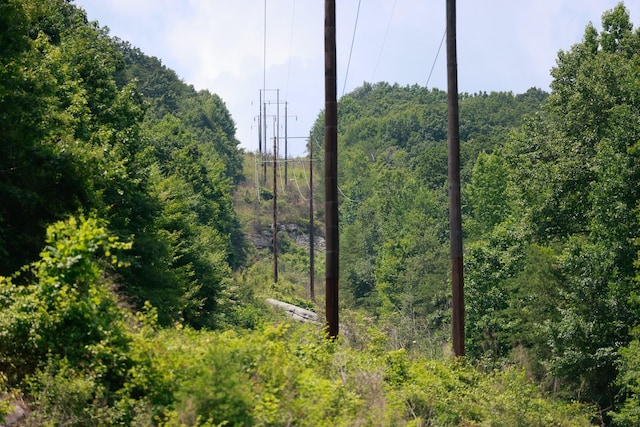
(394, 221)
(552, 264)
(86, 361)
(119, 238)
(90, 124)
(550, 208)
(83, 359)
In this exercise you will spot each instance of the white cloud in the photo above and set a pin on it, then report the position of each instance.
(218, 44)
(218, 38)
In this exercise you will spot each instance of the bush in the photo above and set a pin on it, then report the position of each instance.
(64, 337)
(288, 374)
(66, 309)
(83, 360)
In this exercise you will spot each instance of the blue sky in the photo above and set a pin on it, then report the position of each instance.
(219, 45)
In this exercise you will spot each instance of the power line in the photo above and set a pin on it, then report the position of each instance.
(384, 40)
(264, 51)
(282, 184)
(295, 179)
(346, 197)
(293, 16)
(304, 171)
(264, 89)
(353, 39)
(436, 58)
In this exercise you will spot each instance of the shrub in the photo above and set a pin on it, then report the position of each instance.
(66, 310)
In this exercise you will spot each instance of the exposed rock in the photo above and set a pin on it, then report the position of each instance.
(290, 228)
(295, 312)
(263, 240)
(18, 412)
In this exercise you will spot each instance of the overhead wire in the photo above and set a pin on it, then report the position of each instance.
(436, 58)
(347, 197)
(293, 16)
(295, 179)
(304, 171)
(355, 28)
(384, 40)
(282, 183)
(264, 50)
(353, 39)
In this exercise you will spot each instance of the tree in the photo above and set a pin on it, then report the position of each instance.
(487, 193)
(63, 124)
(156, 159)
(573, 193)
(393, 170)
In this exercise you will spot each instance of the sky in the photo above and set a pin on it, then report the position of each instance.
(235, 48)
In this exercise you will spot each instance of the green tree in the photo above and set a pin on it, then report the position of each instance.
(70, 134)
(393, 172)
(595, 87)
(572, 194)
(71, 121)
(628, 413)
(487, 193)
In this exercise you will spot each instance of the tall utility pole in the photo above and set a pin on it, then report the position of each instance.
(286, 118)
(260, 125)
(275, 214)
(276, 151)
(331, 167)
(264, 125)
(286, 144)
(312, 290)
(455, 218)
(264, 91)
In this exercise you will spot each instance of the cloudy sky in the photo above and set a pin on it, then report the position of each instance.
(219, 45)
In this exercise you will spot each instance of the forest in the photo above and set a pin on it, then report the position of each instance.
(132, 289)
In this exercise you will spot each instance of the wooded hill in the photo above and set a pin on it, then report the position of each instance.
(550, 216)
(129, 294)
(90, 124)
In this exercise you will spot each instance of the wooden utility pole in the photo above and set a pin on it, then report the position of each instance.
(286, 144)
(275, 213)
(276, 151)
(286, 118)
(264, 125)
(455, 218)
(260, 125)
(331, 168)
(312, 290)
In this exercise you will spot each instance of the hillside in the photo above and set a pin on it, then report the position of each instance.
(91, 125)
(136, 259)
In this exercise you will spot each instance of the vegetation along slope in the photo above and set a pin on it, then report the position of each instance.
(132, 293)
